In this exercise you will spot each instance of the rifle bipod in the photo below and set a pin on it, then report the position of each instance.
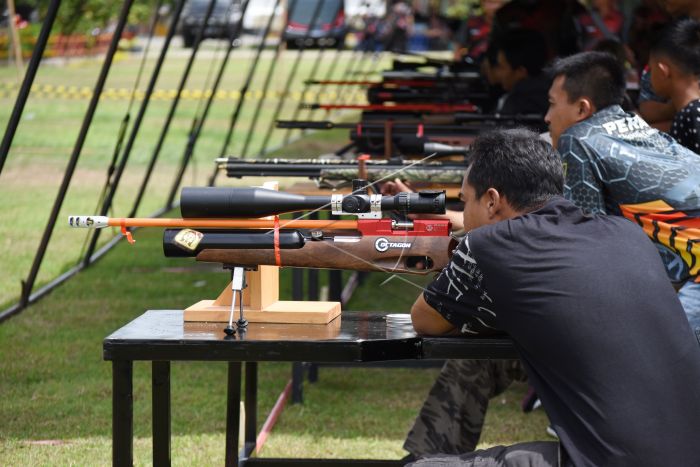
(237, 285)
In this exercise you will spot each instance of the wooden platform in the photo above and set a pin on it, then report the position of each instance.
(291, 312)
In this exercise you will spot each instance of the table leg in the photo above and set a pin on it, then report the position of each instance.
(122, 413)
(251, 407)
(161, 413)
(233, 413)
(297, 383)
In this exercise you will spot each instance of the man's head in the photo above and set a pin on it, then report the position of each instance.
(512, 172)
(675, 56)
(582, 84)
(520, 53)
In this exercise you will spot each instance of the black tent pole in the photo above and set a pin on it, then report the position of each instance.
(327, 77)
(28, 80)
(107, 203)
(189, 149)
(349, 69)
(312, 77)
(291, 77)
(266, 85)
(28, 285)
(243, 92)
(173, 107)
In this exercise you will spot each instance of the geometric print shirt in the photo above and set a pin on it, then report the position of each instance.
(615, 163)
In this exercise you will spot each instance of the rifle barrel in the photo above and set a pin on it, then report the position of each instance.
(313, 168)
(103, 221)
(437, 108)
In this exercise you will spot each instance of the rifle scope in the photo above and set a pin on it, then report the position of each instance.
(225, 202)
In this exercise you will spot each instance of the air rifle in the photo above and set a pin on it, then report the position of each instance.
(398, 126)
(217, 227)
(422, 108)
(337, 173)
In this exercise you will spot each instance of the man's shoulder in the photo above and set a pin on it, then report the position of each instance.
(608, 121)
(553, 212)
(613, 127)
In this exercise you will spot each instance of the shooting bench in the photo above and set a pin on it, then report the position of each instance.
(161, 337)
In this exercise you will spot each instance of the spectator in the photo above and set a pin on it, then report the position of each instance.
(675, 75)
(652, 108)
(472, 38)
(521, 56)
(397, 27)
(602, 21)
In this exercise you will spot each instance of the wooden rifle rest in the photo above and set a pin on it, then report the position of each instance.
(261, 303)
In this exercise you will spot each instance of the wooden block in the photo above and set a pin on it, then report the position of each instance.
(262, 290)
(279, 312)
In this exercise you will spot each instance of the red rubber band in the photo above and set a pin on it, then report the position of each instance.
(419, 133)
(276, 241)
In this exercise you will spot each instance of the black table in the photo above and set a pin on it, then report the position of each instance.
(161, 337)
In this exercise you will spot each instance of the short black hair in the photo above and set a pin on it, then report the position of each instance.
(680, 42)
(519, 164)
(524, 48)
(597, 76)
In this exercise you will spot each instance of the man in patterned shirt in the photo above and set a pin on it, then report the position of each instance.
(675, 75)
(617, 164)
(599, 329)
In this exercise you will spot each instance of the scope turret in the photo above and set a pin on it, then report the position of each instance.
(224, 202)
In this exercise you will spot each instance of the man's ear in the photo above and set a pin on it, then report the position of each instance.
(585, 109)
(664, 68)
(493, 201)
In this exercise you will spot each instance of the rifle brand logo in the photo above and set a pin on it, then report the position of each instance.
(188, 239)
(382, 244)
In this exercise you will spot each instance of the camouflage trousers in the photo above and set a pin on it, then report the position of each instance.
(452, 416)
(530, 454)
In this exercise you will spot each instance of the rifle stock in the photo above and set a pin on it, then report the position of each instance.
(423, 255)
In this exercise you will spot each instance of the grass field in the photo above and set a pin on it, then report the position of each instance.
(55, 407)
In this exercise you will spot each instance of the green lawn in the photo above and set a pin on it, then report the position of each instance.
(56, 390)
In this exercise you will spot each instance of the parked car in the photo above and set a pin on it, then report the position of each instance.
(222, 23)
(329, 28)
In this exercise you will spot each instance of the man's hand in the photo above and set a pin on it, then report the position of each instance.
(396, 186)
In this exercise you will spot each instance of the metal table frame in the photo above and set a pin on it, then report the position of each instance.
(160, 337)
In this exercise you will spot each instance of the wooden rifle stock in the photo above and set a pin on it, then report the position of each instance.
(395, 254)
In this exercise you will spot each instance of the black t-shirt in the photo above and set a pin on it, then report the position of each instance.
(600, 330)
(686, 126)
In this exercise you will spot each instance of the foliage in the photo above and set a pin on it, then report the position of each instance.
(85, 16)
(462, 8)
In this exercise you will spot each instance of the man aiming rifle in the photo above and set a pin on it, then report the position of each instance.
(585, 298)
